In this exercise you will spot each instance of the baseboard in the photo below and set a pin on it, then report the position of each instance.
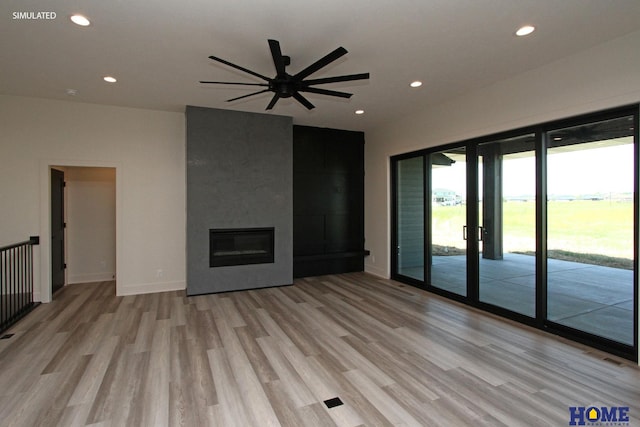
(90, 278)
(376, 271)
(150, 288)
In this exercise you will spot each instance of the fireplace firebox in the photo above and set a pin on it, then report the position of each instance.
(240, 246)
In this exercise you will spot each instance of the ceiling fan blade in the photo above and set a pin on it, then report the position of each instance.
(276, 54)
(350, 77)
(234, 83)
(326, 92)
(237, 67)
(246, 96)
(304, 101)
(320, 63)
(273, 101)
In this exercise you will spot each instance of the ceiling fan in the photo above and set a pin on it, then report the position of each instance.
(285, 85)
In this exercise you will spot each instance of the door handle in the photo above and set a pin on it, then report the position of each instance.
(480, 233)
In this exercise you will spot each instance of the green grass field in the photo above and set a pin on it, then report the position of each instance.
(595, 232)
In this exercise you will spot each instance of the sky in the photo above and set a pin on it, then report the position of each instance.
(584, 172)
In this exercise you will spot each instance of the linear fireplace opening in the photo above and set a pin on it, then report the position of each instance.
(240, 246)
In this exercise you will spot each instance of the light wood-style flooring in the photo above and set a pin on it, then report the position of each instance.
(393, 354)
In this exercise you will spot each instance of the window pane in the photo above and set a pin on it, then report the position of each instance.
(410, 182)
(590, 185)
(449, 220)
(507, 188)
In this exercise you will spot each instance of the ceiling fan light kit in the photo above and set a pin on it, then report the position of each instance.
(285, 85)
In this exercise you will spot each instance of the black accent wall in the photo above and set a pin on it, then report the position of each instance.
(328, 201)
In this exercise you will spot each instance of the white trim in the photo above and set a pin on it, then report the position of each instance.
(44, 293)
(150, 288)
(90, 278)
(376, 271)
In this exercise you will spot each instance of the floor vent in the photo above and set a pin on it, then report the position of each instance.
(331, 403)
(6, 336)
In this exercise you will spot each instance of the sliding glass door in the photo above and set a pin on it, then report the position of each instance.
(539, 225)
(590, 243)
(448, 231)
(507, 216)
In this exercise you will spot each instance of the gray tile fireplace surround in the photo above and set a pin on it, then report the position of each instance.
(239, 175)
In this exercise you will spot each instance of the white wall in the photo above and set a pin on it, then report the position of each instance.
(90, 214)
(605, 76)
(602, 77)
(147, 150)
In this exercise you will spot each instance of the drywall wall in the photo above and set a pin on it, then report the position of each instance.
(239, 175)
(147, 150)
(90, 215)
(602, 77)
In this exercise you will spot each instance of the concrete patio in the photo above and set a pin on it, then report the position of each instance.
(591, 298)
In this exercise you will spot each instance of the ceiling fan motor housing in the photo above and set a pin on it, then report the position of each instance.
(285, 87)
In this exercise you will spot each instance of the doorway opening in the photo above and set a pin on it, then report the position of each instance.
(83, 225)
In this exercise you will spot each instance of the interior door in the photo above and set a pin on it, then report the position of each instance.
(57, 230)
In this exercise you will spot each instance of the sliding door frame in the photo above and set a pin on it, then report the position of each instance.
(473, 226)
(541, 229)
(472, 298)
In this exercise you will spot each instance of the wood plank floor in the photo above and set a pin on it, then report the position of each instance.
(393, 354)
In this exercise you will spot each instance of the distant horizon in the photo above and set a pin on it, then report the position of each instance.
(603, 172)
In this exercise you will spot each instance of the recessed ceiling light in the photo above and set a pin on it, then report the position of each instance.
(71, 92)
(417, 83)
(359, 111)
(80, 20)
(109, 79)
(525, 31)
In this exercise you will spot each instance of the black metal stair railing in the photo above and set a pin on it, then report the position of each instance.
(16, 281)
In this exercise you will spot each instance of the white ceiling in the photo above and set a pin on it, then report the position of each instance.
(158, 50)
